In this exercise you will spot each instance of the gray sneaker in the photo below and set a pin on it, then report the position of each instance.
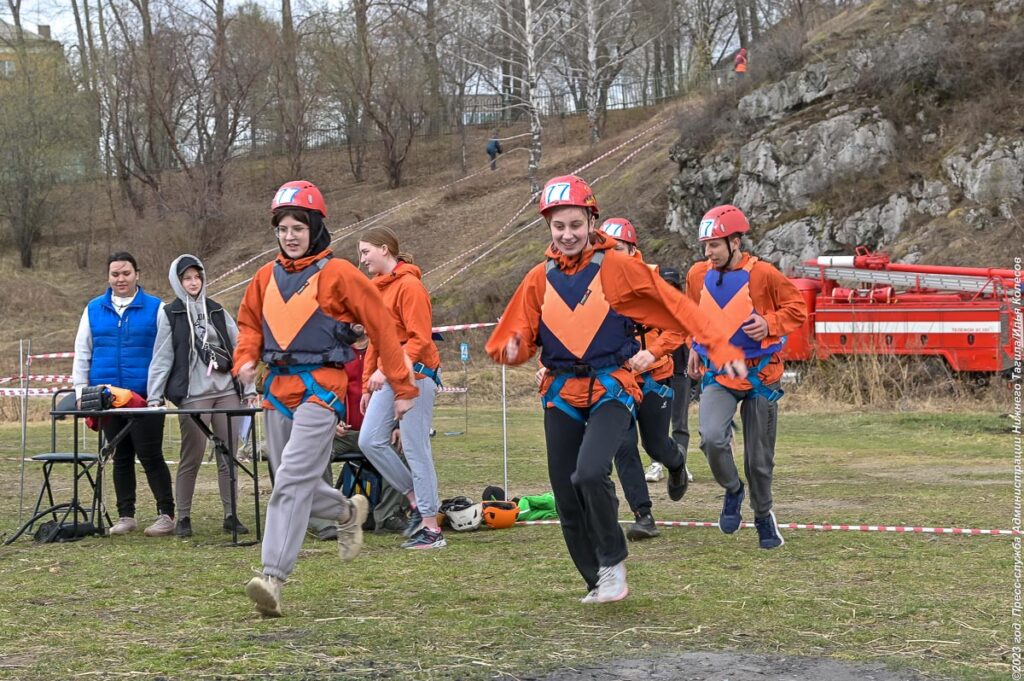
(163, 526)
(265, 592)
(591, 596)
(350, 530)
(611, 583)
(123, 526)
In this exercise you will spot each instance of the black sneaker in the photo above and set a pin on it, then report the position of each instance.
(232, 523)
(425, 538)
(183, 528)
(392, 525)
(415, 522)
(677, 483)
(642, 528)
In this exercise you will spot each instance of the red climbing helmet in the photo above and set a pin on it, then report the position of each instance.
(721, 221)
(299, 194)
(620, 229)
(567, 190)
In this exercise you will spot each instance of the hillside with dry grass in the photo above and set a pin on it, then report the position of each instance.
(472, 234)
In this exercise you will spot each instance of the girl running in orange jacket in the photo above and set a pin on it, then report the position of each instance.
(579, 307)
(297, 316)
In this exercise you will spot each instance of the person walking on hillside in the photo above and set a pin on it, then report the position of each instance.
(740, 63)
(114, 346)
(579, 307)
(652, 367)
(191, 367)
(400, 283)
(758, 305)
(493, 149)
(297, 316)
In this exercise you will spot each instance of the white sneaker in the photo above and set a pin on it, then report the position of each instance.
(265, 592)
(590, 597)
(655, 472)
(350, 531)
(163, 526)
(611, 583)
(123, 526)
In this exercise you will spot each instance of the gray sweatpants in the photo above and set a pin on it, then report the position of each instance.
(419, 476)
(298, 452)
(760, 418)
(193, 446)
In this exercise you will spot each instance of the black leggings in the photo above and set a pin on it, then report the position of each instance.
(653, 417)
(145, 440)
(579, 467)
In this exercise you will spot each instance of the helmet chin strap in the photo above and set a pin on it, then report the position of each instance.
(728, 262)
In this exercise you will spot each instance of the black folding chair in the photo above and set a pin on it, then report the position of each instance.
(83, 468)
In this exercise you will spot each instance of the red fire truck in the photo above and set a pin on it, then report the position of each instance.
(963, 315)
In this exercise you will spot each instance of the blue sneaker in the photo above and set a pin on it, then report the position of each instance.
(730, 519)
(414, 524)
(425, 539)
(768, 535)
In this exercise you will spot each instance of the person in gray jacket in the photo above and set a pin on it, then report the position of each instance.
(191, 367)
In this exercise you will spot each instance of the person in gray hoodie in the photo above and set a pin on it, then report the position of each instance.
(191, 367)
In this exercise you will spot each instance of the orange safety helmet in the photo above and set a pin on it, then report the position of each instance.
(299, 194)
(500, 514)
(620, 229)
(722, 221)
(567, 190)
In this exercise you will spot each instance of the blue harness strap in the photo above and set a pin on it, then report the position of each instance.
(650, 386)
(758, 388)
(434, 374)
(612, 391)
(313, 389)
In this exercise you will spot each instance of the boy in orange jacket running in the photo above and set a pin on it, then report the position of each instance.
(758, 305)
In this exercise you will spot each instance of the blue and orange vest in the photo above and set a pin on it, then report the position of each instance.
(298, 337)
(581, 335)
(727, 297)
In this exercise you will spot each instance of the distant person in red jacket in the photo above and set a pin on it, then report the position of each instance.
(740, 63)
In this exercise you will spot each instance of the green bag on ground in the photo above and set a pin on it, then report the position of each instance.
(537, 507)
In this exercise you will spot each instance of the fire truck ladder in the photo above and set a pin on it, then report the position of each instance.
(941, 282)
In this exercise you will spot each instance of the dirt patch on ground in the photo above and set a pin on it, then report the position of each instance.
(728, 667)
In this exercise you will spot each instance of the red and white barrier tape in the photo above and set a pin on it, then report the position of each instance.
(30, 392)
(526, 205)
(463, 327)
(52, 355)
(828, 527)
(57, 378)
(452, 390)
(342, 232)
(495, 246)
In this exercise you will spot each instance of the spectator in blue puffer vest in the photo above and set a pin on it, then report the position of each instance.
(114, 346)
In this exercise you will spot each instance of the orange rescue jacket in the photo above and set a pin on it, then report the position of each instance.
(631, 289)
(407, 298)
(774, 298)
(344, 294)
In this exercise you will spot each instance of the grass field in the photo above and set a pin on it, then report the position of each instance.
(504, 604)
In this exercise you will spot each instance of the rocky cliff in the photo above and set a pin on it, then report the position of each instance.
(902, 131)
